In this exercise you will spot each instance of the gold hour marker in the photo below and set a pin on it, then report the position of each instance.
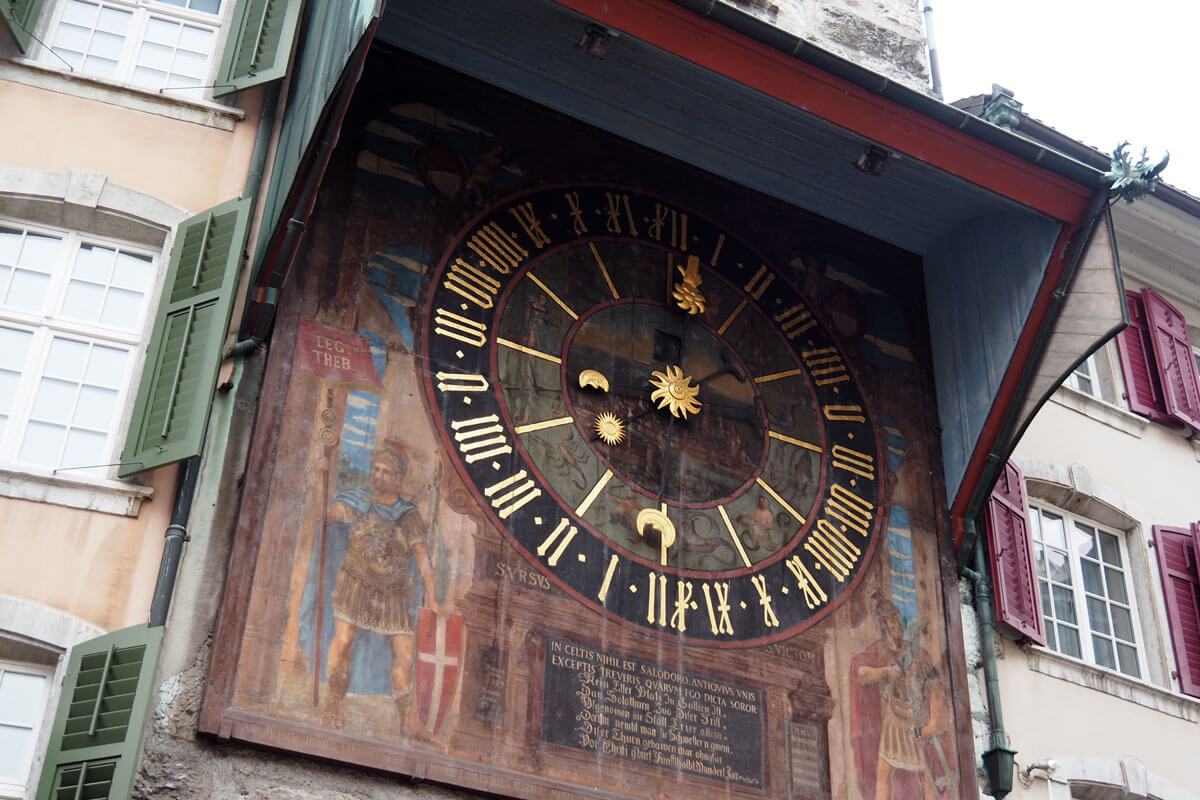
(780, 500)
(538, 426)
(797, 442)
(594, 493)
(775, 376)
(528, 350)
(737, 542)
(732, 316)
(553, 296)
(604, 271)
(602, 595)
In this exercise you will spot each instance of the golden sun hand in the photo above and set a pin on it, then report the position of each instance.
(674, 390)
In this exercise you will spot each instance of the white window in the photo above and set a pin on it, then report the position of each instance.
(22, 705)
(1099, 376)
(1084, 585)
(154, 44)
(73, 312)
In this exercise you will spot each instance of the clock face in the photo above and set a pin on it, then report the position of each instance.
(654, 416)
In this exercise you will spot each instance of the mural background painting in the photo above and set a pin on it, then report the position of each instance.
(389, 623)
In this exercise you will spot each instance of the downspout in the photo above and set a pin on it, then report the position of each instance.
(998, 760)
(935, 72)
(185, 492)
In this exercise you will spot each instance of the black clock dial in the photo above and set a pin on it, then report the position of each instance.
(652, 415)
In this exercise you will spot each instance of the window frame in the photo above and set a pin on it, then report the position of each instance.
(141, 11)
(1080, 593)
(49, 323)
(46, 672)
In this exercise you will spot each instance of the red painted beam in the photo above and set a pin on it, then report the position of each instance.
(760, 67)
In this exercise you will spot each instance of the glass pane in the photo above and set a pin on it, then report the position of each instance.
(1068, 641)
(43, 444)
(123, 310)
(132, 272)
(1097, 615)
(150, 78)
(85, 449)
(1060, 567)
(16, 746)
(155, 56)
(197, 40)
(9, 381)
(114, 20)
(100, 67)
(1064, 604)
(94, 263)
(1116, 585)
(95, 408)
(55, 400)
(10, 245)
(1050, 641)
(1111, 549)
(73, 38)
(106, 367)
(160, 31)
(1039, 559)
(1044, 591)
(39, 252)
(1122, 622)
(193, 65)
(14, 344)
(81, 13)
(1103, 650)
(207, 6)
(107, 45)
(1083, 539)
(83, 301)
(74, 59)
(1053, 531)
(27, 290)
(21, 698)
(66, 359)
(1093, 580)
(1128, 659)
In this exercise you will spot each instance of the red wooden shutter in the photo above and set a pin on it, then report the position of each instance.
(1174, 358)
(1018, 609)
(1177, 552)
(1142, 388)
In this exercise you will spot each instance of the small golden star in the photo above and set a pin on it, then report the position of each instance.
(609, 428)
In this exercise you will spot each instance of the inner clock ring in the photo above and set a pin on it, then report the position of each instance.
(615, 356)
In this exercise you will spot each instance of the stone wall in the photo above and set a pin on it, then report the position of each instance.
(885, 36)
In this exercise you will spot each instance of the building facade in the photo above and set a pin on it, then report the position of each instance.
(295, 293)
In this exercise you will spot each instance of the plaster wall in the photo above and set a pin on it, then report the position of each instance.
(97, 567)
(185, 163)
(1050, 718)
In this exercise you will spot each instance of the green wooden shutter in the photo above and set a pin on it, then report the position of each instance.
(101, 715)
(171, 410)
(21, 16)
(258, 45)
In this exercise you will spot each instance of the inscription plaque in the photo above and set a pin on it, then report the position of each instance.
(641, 712)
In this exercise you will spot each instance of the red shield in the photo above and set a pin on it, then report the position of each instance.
(439, 659)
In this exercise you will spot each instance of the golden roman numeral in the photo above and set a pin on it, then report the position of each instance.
(521, 490)
(602, 595)
(461, 382)
(850, 509)
(717, 250)
(814, 595)
(764, 600)
(678, 226)
(759, 283)
(656, 600)
(850, 413)
(496, 248)
(853, 461)
(457, 327)
(826, 366)
(613, 220)
(716, 600)
(470, 282)
(576, 212)
(548, 542)
(523, 214)
(473, 435)
(832, 550)
(795, 320)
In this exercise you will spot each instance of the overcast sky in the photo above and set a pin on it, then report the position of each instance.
(1100, 71)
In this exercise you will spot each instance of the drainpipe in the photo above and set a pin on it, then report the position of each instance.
(998, 760)
(176, 533)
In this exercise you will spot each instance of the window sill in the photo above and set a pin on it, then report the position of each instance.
(200, 112)
(91, 494)
(1102, 412)
(1056, 665)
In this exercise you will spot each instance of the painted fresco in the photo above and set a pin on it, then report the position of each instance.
(498, 543)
